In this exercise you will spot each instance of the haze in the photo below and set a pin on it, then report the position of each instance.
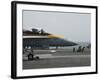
(73, 26)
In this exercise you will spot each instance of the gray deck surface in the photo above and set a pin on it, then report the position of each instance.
(61, 58)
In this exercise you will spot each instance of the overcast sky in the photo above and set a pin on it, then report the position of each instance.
(73, 26)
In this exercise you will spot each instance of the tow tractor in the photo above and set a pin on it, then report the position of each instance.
(29, 55)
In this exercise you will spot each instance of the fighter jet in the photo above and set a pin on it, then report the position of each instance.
(39, 39)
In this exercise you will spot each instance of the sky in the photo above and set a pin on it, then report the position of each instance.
(73, 26)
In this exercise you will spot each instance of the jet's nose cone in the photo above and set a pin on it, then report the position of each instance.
(73, 43)
(69, 43)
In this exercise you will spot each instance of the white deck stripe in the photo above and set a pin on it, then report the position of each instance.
(67, 56)
(35, 36)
